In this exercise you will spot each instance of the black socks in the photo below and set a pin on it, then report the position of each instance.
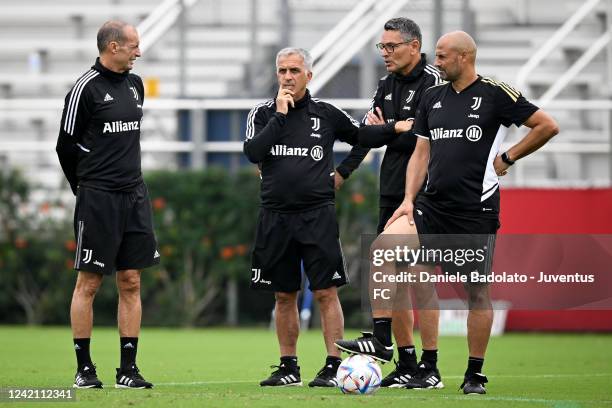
(289, 361)
(430, 357)
(382, 330)
(81, 347)
(407, 356)
(474, 365)
(129, 347)
(334, 361)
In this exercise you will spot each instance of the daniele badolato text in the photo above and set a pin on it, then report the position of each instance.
(478, 277)
(460, 258)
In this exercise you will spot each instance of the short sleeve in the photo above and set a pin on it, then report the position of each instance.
(512, 107)
(420, 127)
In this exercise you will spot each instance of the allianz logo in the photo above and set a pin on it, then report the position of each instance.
(315, 152)
(120, 126)
(472, 133)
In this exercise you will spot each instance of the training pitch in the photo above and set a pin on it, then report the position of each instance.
(223, 367)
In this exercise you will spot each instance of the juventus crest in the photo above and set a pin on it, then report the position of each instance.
(316, 124)
(410, 96)
(477, 101)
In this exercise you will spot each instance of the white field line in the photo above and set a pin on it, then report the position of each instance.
(446, 376)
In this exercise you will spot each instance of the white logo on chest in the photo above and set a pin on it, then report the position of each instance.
(316, 124)
(477, 101)
(410, 96)
(473, 133)
(316, 152)
(120, 126)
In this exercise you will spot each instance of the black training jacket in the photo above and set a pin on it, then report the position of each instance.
(99, 140)
(398, 97)
(295, 152)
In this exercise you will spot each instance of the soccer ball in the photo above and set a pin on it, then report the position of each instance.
(359, 374)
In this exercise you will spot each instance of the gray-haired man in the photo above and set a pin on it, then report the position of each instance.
(291, 138)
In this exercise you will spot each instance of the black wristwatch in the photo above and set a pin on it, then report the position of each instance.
(506, 159)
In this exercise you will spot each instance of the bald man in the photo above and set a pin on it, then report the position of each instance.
(458, 125)
(99, 150)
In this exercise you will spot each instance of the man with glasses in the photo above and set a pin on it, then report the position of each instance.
(396, 100)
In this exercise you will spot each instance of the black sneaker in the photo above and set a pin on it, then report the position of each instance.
(86, 377)
(427, 377)
(131, 378)
(400, 376)
(368, 345)
(326, 377)
(283, 377)
(474, 384)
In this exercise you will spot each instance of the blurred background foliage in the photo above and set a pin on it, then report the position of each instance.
(205, 224)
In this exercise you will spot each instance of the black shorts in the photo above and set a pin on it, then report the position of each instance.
(384, 213)
(114, 230)
(283, 241)
(441, 230)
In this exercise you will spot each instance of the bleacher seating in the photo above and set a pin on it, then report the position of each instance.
(44, 46)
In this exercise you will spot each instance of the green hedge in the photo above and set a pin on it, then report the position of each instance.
(205, 223)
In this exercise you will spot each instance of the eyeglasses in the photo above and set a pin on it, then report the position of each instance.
(390, 48)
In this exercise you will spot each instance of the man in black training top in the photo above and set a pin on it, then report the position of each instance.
(99, 150)
(291, 137)
(460, 128)
(396, 99)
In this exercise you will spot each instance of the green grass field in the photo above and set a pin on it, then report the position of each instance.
(222, 368)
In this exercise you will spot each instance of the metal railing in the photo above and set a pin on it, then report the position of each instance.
(567, 77)
(343, 26)
(552, 44)
(349, 36)
(199, 145)
(161, 19)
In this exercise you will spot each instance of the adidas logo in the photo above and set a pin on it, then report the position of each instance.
(366, 346)
(336, 276)
(289, 379)
(388, 97)
(128, 346)
(108, 98)
(438, 105)
(77, 347)
(125, 381)
(156, 254)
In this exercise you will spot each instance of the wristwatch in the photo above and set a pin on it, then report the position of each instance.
(506, 159)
